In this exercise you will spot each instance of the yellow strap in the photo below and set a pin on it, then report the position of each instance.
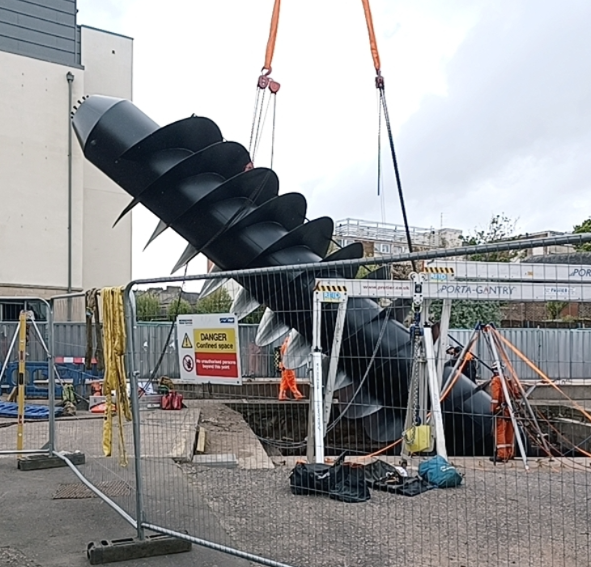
(114, 340)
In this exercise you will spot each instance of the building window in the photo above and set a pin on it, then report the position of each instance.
(385, 248)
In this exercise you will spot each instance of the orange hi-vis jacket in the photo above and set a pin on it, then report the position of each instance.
(504, 434)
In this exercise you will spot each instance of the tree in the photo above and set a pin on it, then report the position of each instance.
(179, 307)
(364, 271)
(219, 301)
(466, 314)
(255, 317)
(500, 229)
(585, 226)
(555, 308)
(148, 307)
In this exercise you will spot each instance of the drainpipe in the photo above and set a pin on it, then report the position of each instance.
(70, 79)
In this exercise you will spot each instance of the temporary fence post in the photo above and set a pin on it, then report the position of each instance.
(135, 408)
(316, 417)
(51, 377)
(433, 382)
(443, 332)
(334, 359)
(22, 347)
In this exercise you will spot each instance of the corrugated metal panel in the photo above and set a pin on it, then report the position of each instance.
(69, 339)
(35, 349)
(44, 29)
(559, 353)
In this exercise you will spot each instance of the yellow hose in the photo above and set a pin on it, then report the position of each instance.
(114, 341)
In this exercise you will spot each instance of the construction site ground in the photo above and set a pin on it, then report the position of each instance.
(39, 531)
(501, 515)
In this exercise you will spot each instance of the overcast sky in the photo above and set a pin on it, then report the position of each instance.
(489, 100)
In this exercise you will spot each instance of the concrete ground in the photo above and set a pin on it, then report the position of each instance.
(501, 516)
(38, 531)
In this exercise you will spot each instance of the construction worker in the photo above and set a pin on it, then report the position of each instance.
(504, 433)
(288, 377)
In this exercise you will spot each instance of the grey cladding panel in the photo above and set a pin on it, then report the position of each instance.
(37, 52)
(44, 29)
(57, 5)
(8, 16)
(38, 38)
(42, 10)
(28, 23)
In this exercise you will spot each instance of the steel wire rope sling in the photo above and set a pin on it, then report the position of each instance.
(379, 81)
(265, 82)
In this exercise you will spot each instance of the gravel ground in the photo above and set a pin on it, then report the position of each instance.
(11, 557)
(503, 517)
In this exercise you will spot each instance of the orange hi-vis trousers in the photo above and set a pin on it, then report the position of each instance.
(288, 377)
(288, 383)
(505, 437)
(504, 433)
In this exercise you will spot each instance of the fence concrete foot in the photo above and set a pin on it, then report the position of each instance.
(111, 551)
(36, 462)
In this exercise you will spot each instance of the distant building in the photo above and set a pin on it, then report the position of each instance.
(545, 250)
(383, 239)
(57, 210)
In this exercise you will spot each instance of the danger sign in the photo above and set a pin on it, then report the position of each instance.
(213, 340)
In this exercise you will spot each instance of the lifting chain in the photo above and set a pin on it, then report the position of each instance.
(416, 332)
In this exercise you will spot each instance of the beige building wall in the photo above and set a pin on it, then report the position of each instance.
(34, 123)
(106, 257)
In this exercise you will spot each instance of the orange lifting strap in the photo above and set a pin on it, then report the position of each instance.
(373, 44)
(272, 37)
(267, 68)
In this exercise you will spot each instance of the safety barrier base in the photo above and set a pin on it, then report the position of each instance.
(111, 551)
(37, 462)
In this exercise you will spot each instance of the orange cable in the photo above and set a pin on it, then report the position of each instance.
(272, 36)
(373, 44)
(514, 373)
(542, 375)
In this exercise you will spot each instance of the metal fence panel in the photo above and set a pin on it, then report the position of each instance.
(84, 430)
(234, 489)
(219, 468)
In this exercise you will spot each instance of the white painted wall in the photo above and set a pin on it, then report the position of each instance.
(34, 122)
(108, 70)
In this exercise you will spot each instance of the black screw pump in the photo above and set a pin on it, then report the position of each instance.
(207, 190)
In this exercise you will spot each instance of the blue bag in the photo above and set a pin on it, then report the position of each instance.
(439, 472)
